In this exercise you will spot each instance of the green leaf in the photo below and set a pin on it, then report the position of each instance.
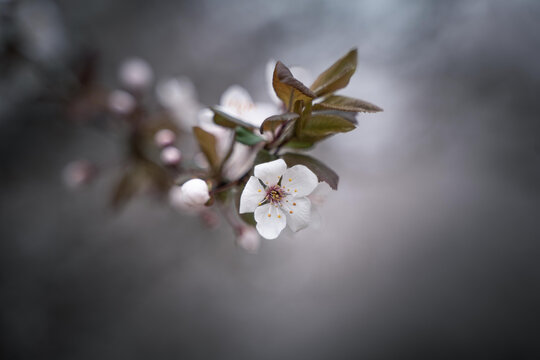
(288, 88)
(263, 156)
(322, 125)
(294, 143)
(207, 143)
(344, 103)
(336, 76)
(273, 122)
(246, 137)
(228, 121)
(323, 172)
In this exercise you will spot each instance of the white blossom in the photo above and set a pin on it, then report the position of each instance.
(278, 197)
(195, 192)
(179, 97)
(248, 239)
(164, 137)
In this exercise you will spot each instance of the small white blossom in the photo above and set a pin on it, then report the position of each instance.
(195, 192)
(278, 197)
(179, 97)
(136, 73)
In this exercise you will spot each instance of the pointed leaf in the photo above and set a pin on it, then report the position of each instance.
(223, 119)
(336, 76)
(207, 143)
(288, 88)
(344, 103)
(273, 122)
(323, 172)
(321, 125)
(246, 137)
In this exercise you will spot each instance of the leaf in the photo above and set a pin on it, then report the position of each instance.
(344, 103)
(336, 76)
(288, 88)
(323, 172)
(299, 144)
(223, 119)
(322, 125)
(207, 143)
(263, 156)
(273, 122)
(246, 137)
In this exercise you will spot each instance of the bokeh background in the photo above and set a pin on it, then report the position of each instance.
(429, 250)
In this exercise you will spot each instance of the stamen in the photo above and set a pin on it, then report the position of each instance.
(290, 212)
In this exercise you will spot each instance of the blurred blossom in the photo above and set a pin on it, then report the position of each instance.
(164, 137)
(237, 102)
(248, 239)
(195, 192)
(318, 198)
(179, 97)
(136, 74)
(210, 218)
(171, 155)
(78, 173)
(121, 102)
(41, 30)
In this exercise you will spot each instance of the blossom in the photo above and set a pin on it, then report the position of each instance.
(248, 239)
(278, 197)
(164, 137)
(195, 192)
(236, 102)
(121, 102)
(179, 97)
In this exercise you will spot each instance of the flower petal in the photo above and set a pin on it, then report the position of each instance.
(270, 172)
(299, 181)
(236, 100)
(252, 195)
(270, 221)
(298, 211)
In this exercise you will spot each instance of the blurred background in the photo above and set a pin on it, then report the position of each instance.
(430, 248)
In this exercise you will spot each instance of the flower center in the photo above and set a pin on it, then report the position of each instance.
(274, 194)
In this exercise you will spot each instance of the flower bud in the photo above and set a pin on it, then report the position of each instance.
(78, 173)
(136, 74)
(248, 239)
(195, 192)
(170, 156)
(121, 102)
(164, 137)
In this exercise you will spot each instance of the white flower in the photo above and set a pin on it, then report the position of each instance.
(164, 137)
(195, 192)
(278, 196)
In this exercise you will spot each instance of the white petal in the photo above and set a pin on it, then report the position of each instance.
(299, 181)
(270, 221)
(236, 100)
(298, 211)
(252, 195)
(270, 65)
(259, 113)
(270, 172)
(319, 195)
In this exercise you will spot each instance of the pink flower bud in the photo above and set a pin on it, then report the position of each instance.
(171, 156)
(195, 192)
(78, 173)
(248, 239)
(136, 74)
(164, 137)
(121, 102)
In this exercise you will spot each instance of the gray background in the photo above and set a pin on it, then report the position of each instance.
(429, 250)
